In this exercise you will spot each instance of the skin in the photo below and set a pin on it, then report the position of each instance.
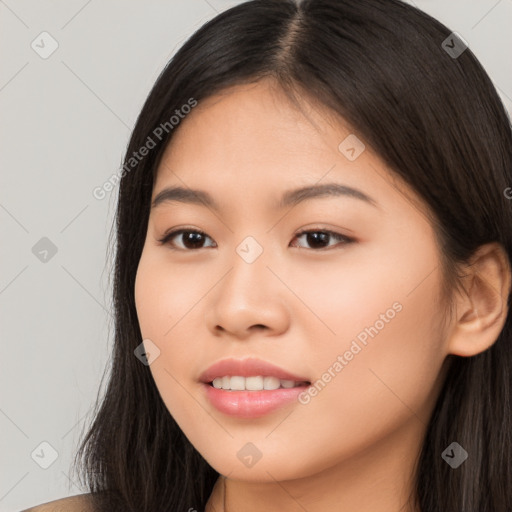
(299, 306)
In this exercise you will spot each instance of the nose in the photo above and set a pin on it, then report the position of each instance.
(249, 298)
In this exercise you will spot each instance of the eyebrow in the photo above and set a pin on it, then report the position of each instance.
(289, 198)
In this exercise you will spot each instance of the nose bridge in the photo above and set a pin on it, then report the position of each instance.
(250, 250)
(256, 257)
(248, 264)
(248, 294)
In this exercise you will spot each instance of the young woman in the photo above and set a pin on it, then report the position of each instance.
(312, 276)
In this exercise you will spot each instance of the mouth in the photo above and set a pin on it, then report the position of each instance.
(248, 404)
(251, 373)
(251, 388)
(255, 383)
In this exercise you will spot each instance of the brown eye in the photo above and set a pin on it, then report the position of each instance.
(192, 239)
(319, 239)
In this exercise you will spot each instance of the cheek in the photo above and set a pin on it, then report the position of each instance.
(148, 300)
(389, 367)
(165, 295)
(380, 316)
(167, 303)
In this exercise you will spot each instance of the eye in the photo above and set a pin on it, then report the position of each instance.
(195, 238)
(321, 236)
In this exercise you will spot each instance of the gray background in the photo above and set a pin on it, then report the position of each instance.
(65, 122)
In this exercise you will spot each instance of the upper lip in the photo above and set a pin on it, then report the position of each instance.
(246, 368)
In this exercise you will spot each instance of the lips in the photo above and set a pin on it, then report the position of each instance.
(246, 368)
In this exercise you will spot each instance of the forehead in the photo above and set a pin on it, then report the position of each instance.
(250, 140)
(252, 130)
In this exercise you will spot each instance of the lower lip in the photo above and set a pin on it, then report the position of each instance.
(251, 404)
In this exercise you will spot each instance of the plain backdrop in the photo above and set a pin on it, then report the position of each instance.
(65, 121)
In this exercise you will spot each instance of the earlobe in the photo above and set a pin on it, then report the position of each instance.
(483, 310)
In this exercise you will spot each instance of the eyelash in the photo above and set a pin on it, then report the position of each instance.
(168, 236)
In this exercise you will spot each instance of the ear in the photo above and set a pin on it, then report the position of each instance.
(482, 311)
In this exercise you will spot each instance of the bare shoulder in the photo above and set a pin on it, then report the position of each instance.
(78, 503)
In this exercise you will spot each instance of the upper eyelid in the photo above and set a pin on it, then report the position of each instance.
(179, 231)
(176, 232)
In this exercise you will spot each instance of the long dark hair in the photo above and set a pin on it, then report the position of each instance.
(435, 118)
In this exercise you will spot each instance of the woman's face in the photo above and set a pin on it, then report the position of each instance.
(359, 317)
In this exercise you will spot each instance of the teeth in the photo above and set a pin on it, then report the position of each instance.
(257, 383)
